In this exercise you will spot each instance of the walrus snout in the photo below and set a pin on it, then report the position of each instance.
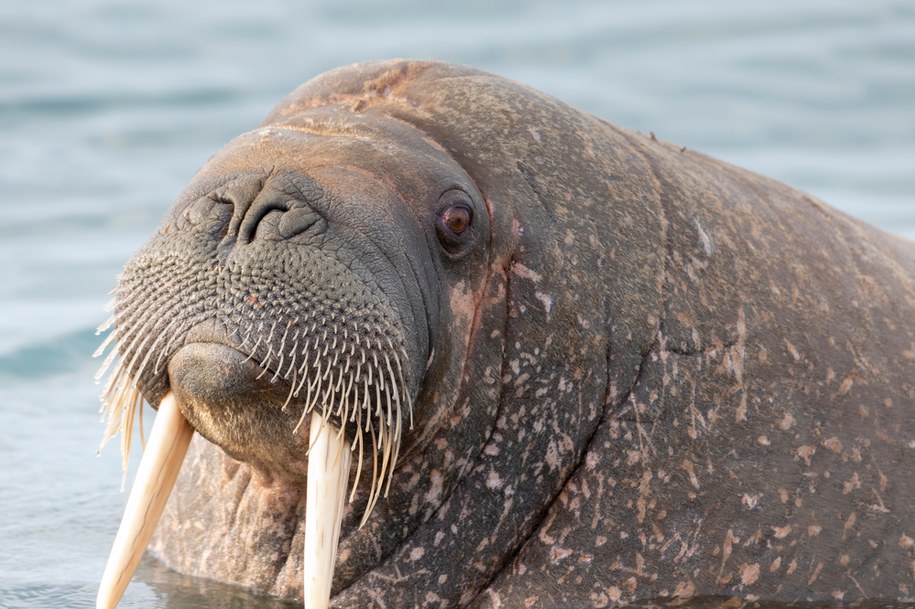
(256, 304)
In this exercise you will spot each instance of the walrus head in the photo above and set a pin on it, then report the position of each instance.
(267, 294)
(287, 280)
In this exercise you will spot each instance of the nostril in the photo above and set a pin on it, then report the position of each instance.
(210, 214)
(276, 220)
(245, 208)
(257, 216)
(223, 209)
(297, 220)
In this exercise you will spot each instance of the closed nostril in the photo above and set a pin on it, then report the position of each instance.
(210, 215)
(222, 212)
(256, 216)
(276, 220)
(248, 208)
(297, 220)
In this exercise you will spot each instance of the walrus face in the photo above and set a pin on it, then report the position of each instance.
(283, 283)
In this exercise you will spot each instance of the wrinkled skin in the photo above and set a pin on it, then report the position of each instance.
(641, 373)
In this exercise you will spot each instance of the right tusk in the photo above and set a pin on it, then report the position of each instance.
(328, 470)
(162, 458)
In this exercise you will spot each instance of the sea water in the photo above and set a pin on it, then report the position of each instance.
(107, 108)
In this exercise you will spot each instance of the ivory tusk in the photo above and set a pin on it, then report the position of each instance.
(162, 458)
(328, 471)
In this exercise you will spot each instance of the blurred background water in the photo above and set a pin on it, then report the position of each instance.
(107, 108)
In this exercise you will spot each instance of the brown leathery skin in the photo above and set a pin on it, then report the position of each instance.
(662, 376)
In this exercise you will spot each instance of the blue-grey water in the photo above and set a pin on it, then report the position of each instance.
(107, 108)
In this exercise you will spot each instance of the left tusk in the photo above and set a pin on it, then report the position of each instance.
(159, 467)
(328, 470)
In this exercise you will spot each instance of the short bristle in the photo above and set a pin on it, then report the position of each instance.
(351, 372)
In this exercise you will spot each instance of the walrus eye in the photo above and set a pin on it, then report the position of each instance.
(457, 218)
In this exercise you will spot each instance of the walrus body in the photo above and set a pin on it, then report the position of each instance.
(644, 373)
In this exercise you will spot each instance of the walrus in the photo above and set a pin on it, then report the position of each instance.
(518, 357)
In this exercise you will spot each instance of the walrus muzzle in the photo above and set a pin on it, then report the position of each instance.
(244, 315)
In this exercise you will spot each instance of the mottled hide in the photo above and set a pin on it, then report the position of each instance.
(639, 373)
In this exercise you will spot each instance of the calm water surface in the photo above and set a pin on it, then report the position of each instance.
(107, 109)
